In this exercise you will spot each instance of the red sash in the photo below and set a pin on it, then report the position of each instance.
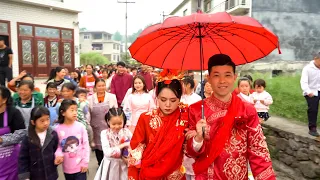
(215, 146)
(164, 154)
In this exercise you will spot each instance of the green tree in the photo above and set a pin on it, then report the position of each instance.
(128, 59)
(134, 36)
(83, 29)
(117, 36)
(93, 58)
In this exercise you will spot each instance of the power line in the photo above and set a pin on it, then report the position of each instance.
(163, 15)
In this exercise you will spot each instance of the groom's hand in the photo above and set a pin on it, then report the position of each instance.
(201, 125)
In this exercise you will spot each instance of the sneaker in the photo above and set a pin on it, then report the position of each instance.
(314, 133)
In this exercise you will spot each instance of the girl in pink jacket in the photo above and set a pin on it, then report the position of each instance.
(73, 150)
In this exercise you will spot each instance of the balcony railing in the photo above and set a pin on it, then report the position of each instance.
(237, 7)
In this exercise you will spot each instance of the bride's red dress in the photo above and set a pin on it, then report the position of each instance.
(157, 146)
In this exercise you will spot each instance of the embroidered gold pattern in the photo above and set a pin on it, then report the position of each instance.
(235, 169)
(218, 108)
(211, 172)
(136, 155)
(258, 144)
(176, 175)
(215, 104)
(265, 174)
(155, 122)
(234, 145)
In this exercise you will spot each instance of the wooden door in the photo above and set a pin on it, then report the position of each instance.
(26, 55)
(42, 50)
(54, 54)
(67, 53)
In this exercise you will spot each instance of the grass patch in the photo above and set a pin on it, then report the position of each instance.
(286, 92)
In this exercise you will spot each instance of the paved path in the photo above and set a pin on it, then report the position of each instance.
(284, 124)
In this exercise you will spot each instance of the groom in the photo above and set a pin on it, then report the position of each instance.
(230, 137)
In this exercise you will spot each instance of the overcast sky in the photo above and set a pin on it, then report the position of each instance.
(108, 15)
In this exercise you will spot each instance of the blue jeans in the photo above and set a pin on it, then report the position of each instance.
(76, 176)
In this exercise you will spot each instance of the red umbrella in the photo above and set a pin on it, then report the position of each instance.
(189, 41)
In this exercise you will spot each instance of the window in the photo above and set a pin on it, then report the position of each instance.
(97, 46)
(66, 34)
(118, 47)
(118, 58)
(47, 32)
(25, 30)
(208, 5)
(114, 46)
(185, 12)
(107, 37)
(97, 36)
(114, 57)
(86, 36)
(4, 28)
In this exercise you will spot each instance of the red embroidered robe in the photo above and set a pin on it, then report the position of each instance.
(157, 146)
(246, 142)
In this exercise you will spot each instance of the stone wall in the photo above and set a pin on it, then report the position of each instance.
(296, 22)
(294, 156)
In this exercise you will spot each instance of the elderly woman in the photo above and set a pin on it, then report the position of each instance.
(26, 99)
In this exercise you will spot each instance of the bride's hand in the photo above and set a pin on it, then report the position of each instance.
(190, 134)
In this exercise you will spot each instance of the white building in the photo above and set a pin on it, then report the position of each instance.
(234, 7)
(100, 41)
(42, 34)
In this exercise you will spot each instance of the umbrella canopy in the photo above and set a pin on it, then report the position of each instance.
(188, 42)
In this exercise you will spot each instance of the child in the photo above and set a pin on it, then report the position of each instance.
(83, 104)
(115, 144)
(73, 149)
(36, 160)
(244, 86)
(51, 100)
(261, 99)
(68, 91)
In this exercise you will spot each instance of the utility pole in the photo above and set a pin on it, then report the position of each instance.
(163, 15)
(126, 45)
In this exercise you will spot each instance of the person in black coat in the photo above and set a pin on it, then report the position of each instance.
(36, 159)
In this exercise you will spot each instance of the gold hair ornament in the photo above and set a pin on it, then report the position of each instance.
(167, 75)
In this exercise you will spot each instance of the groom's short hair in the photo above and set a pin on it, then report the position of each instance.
(220, 60)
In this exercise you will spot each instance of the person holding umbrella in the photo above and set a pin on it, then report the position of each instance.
(230, 134)
(222, 124)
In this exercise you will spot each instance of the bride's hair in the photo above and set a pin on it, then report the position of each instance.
(175, 86)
